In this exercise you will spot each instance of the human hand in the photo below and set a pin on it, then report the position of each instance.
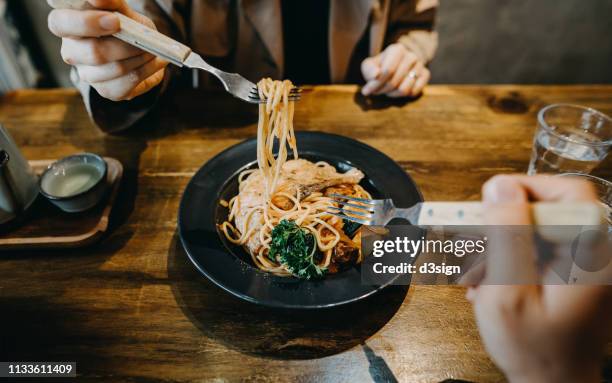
(118, 71)
(538, 333)
(396, 72)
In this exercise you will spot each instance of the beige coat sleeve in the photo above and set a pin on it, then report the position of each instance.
(113, 116)
(412, 23)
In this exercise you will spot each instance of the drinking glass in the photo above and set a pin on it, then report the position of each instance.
(570, 139)
(603, 188)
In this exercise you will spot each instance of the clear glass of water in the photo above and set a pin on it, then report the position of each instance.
(603, 188)
(570, 139)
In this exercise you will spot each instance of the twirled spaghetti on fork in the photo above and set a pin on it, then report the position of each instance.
(279, 214)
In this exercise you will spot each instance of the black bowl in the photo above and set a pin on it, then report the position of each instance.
(229, 267)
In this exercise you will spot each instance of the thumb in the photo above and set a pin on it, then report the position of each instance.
(370, 68)
(123, 7)
(510, 251)
(506, 201)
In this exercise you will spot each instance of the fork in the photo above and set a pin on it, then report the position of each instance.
(380, 212)
(176, 53)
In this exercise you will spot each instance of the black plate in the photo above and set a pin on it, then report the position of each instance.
(230, 268)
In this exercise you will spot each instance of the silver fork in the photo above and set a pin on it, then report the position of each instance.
(234, 83)
(176, 53)
(381, 212)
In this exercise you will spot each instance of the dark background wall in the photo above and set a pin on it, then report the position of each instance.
(524, 41)
(481, 41)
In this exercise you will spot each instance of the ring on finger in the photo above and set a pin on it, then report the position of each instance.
(412, 75)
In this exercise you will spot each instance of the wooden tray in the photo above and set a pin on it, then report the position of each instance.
(45, 226)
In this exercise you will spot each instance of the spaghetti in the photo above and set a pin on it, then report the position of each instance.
(293, 190)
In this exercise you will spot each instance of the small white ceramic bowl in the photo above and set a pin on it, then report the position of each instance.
(76, 183)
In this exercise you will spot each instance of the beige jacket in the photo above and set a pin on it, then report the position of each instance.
(246, 36)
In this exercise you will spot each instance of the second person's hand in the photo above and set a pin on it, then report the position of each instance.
(396, 72)
(117, 70)
(536, 332)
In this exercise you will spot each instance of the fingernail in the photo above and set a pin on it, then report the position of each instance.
(109, 22)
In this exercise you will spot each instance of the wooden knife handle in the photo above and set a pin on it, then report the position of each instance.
(543, 213)
(136, 34)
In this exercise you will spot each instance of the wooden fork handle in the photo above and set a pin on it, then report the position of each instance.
(136, 34)
(542, 213)
(69, 4)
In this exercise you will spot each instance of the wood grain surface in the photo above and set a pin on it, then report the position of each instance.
(133, 309)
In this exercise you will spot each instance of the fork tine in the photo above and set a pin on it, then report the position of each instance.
(352, 219)
(293, 91)
(296, 96)
(293, 95)
(368, 208)
(345, 211)
(253, 95)
(340, 197)
(260, 101)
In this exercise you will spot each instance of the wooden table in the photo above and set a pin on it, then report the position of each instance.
(132, 308)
